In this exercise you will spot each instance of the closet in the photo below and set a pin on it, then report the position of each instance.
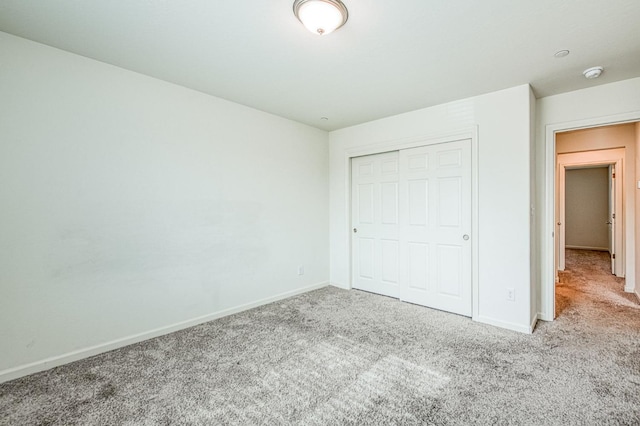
(411, 225)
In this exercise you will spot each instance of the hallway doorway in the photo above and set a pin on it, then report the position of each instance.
(590, 205)
(591, 138)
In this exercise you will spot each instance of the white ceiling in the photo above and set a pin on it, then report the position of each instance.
(390, 57)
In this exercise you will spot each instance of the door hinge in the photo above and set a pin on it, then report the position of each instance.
(613, 176)
(613, 215)
(613, 256)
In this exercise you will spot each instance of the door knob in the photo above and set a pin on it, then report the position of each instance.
(465, 237)
(355, 230)
(559, 223)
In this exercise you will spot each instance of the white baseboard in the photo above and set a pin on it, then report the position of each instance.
(587, 248)
(344, 287)
(534, 321)
(522, 328)
(544, 317)
(55, 361)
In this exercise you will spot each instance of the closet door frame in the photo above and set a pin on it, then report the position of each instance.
(399, 144)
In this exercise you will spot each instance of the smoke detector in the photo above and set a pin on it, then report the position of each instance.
(593, 72)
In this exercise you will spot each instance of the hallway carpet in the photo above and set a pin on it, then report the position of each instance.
(336, 357)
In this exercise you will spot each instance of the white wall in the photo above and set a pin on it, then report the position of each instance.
(130, 204)
(604, 104)
(503, 120)
(587, 208)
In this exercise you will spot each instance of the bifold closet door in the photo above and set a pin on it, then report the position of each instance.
(435, 226)
(375, 215)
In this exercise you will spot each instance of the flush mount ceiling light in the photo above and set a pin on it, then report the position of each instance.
(321, 16)
(593, 72)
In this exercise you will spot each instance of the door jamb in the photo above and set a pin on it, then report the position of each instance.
(398, 144)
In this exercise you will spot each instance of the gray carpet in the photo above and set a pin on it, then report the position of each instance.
(334, 357)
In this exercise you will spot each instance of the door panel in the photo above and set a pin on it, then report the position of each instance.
(389, 203)
(390, 167)
(375, 216)
(418, 202)
(418, 161)
(418, 266)
(451, 158)
(449, 266)
(366, 259)
(364, 194)
(435, 217)
(449, 200)
(389, 261)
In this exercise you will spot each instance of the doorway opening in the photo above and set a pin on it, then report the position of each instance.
(605, 152)
(589, 205)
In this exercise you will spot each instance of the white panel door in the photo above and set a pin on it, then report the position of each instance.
(375, 216)
(435, 226)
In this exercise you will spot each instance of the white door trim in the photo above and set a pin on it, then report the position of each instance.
(603, 157)
(547, 308)
(398, 144)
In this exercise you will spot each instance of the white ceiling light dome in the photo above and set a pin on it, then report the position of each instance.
(593, 72)
(321, 17)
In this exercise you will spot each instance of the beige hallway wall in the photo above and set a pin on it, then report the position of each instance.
(587, 208)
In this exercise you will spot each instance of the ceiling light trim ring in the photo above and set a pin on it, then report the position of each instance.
(297, 4)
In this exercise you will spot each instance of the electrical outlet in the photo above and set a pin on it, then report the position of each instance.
(511, 294)
(300, 270)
